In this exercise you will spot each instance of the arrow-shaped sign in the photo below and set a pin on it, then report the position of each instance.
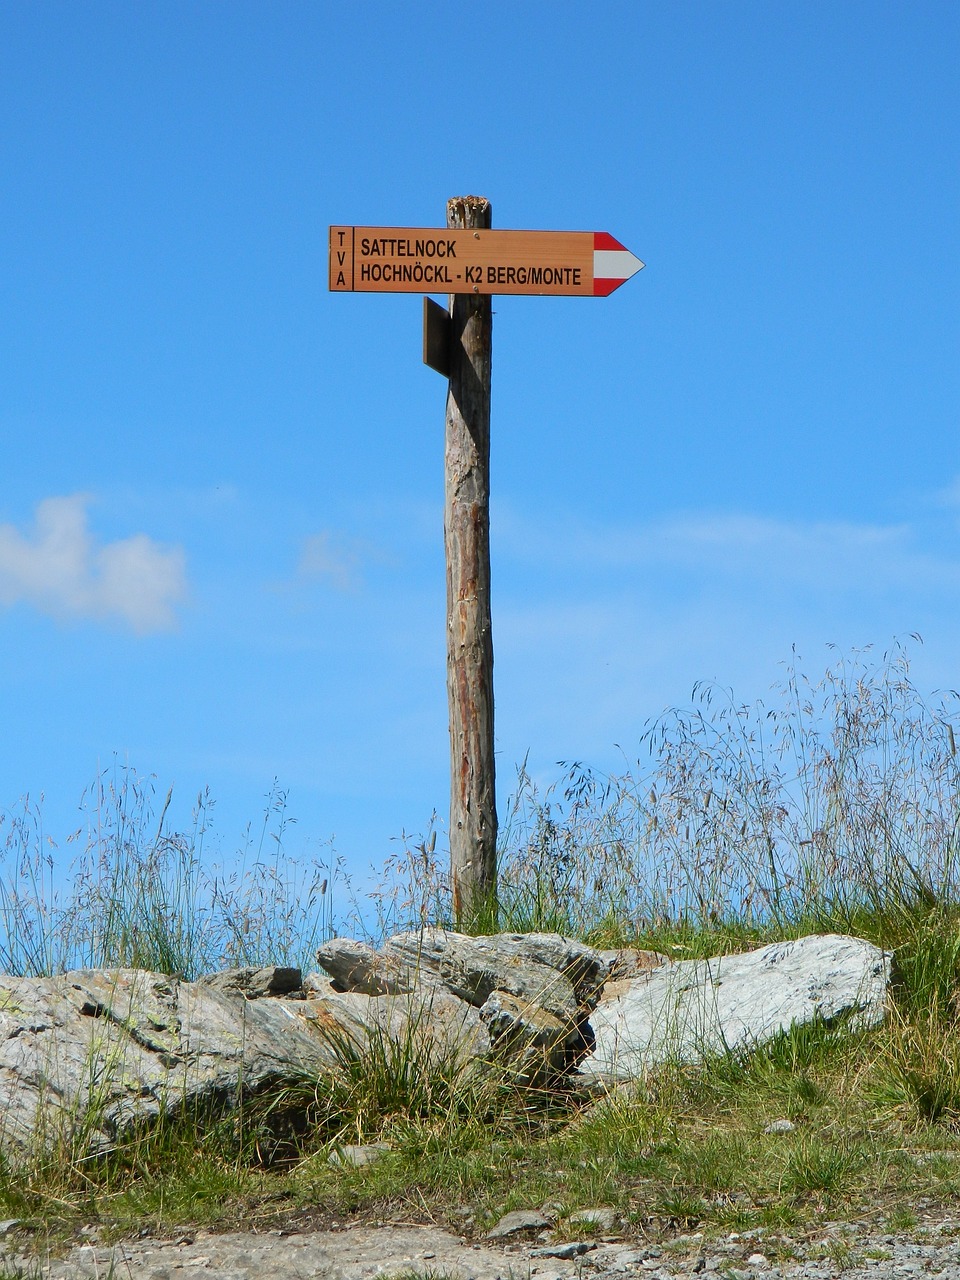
(431, 260)
(612, 264)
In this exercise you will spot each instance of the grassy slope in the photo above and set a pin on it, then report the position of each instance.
(836, 811)
(875, 1116)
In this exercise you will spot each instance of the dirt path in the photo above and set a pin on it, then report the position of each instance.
(858, 1252)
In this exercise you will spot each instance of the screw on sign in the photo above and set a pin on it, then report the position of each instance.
(470, 261)
(428, 260)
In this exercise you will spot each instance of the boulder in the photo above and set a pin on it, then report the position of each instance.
(92, 1054)
(534, 992)
(89, 1057)
(561, 976)
(691, 1008)
(512, 1224)
(534, 1045)
(428, 1019)
(355, 966)
(254, 983)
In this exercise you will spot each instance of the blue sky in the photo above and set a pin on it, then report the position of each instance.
(221, 552)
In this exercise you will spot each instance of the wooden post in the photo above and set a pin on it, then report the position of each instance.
(466, 535)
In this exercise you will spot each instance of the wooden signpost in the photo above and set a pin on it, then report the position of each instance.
(470, 262)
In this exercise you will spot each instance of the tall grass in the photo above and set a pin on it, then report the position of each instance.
(138, 894)
(837, 799)
(835, 804)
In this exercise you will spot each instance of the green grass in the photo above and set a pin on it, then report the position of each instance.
(836, 810)
(686, 1149)
(140, 894)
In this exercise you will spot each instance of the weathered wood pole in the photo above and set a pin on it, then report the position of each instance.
(466, 536)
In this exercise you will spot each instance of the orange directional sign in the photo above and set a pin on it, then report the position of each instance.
(431, 260)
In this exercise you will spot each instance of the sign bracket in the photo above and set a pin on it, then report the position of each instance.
(436, 337)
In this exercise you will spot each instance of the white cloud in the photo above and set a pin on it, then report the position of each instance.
(949, 496)
(338, 559)
(814, 553)
(598, 625)
(60, 569)
(822, 553)
(323, 555)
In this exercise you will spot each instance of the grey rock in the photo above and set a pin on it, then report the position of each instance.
(779, 1126)
(430, 1018)
(618, 1257)
(256, 984)
(91, 1054)
(357, 967)
(519, 1220)
(602, 1217)
(732, 1003)
(534, 992)
(575, 1249)
(535, 1043)
(559, 975)
(357, 1157)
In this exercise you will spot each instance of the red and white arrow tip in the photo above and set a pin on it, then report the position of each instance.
(612, 264)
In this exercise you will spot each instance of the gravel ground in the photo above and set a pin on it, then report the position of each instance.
(857, 1251)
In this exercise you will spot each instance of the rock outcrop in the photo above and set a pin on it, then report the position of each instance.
(91, 1056)
(533, 992)
(682, 1011)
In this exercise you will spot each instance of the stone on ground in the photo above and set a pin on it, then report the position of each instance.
(90, 1057)
(693, 1008)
